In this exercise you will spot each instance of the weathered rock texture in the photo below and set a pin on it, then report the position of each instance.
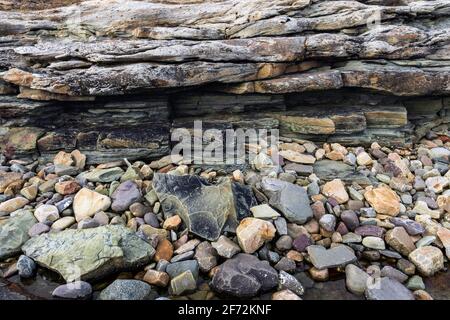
(206, 209)
(112, 78)
(105, 250)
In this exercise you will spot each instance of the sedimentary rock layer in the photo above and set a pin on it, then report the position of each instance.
(110, 48)
(376, 67)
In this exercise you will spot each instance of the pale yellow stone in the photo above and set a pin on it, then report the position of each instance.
(384, 200)
(87, 203)
(297, 157)
(363, 159)
(12, 205)
(252, 233)
(30, 192)
(336, 189)
(63, 158)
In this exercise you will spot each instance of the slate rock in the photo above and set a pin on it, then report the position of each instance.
(328, 222)
(393, 273)
(350, 219)
(412, 227)
(370, 231)
(356, 279)
(151, 219)
(286, 264)
(328, 170)
(38, 229)
(302, 242)
(244, 276)
(203, 207)
(388, 289)
(206, 256)
(290, 199)
(88, 223)
(177, 268)
(183, 283)
(103, 175)
(415, 283)
(322, 258)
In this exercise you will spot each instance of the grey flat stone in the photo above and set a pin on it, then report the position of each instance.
(388, 289)
(177, 268)
(290, 199)
(322, 258)
(329, 170)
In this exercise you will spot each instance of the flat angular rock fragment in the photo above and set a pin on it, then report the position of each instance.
(384, 200)
(329, 170)
(388, 289)
(322, 258)
(204, 208)
(292, 200)
(89, 253)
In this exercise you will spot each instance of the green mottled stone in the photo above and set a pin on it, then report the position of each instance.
(415, 283)
(132, 173)
(182, 283)
(14, 232)
(89, 253)
(104, 175)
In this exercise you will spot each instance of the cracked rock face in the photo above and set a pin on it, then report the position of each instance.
(204, 208)
(89, 253)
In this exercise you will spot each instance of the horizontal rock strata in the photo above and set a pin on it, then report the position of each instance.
(112, 79)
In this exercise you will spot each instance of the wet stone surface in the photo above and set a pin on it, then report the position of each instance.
(170, 230)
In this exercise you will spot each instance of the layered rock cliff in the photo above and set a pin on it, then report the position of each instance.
(113, 78)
